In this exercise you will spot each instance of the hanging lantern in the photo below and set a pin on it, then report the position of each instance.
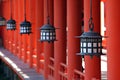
(91, 42)
(11, 24)
(48, 33)
(2, 21)
(25, 27)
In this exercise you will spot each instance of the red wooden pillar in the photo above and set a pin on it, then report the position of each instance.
(48, 47)
(25, 36)
(12, 31)
(2, 29)
(60, 45)
(113, 40)
(20, 19)
(32, 12)
(6, 14)
(74, 10)
(4, 39)
(39, 23)
(15, 17)
(92, 66)
(9, 31)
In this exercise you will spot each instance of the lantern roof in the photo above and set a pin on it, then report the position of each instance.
(47, 27)
(2, 18)
(25, 23)
(91, 34)
(11, 21)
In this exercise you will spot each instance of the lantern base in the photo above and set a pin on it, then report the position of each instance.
(91, 55)
(26, 33)
(49, 41)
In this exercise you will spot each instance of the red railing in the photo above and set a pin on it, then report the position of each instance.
(42, 63)
(63, 71)
(95, 79)
(78, 75)
(51, 68)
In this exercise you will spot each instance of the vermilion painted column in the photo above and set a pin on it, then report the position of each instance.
(5, 38)
(12, 31)
(39, 23)
(74, 29)
(48, 47)
(60, 44)
(92, 66)
(32, 12)
(30, 39)
(9, 31)
(113, 40)
(6, 14)
(25, 36)
(15, 17)
(20, 19)
(3, 27)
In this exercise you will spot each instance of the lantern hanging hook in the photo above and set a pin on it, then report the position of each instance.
(48, 17)
(91, 24)
(25, 10)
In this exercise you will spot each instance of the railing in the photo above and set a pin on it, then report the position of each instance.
(51, 67)
(42, 63)
(78, 75)
(63, 71)
(95, 79)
